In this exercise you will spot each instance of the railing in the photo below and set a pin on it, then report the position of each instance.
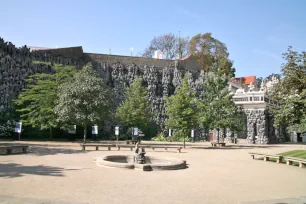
(240, 99)
(252, 97)
(249, 97)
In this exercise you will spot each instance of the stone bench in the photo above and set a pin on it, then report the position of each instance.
(178, 148)
(267, 157)
(301, 162)
(219, 144)
(9, 148)
(109, 146)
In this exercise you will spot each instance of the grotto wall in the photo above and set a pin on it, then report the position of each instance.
(161, 82)
(161, 77)
(16, 64)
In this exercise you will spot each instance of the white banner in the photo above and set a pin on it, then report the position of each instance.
(135, 131)
(117, 131)
(192, 133)
(94, 130)
(18, 127)
(73, 130)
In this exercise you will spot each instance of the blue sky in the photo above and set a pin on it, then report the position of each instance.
(256, 32)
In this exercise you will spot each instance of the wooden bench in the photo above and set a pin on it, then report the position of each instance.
(267, 157)
(109, 146)
(178, 148)
(220, 144)
(9, 148)
(301, 162)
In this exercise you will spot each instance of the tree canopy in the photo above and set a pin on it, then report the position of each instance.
(36, 102)
(135, 110)
(181, 110)
(211, 54)
(290, 92)
(217, 109)
(84, 100)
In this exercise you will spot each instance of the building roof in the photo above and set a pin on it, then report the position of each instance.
(246, 80)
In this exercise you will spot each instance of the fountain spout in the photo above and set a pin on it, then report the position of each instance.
(139, 154)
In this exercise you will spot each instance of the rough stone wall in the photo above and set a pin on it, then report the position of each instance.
(229, 136)
(15, 66)
(257, 126)
(260, 128)
(160, 82)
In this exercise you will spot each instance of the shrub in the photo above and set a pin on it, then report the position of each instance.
(7, 128)
(176, 137)
(160, 137)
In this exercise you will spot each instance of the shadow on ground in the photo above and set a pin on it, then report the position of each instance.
(40, 150)
(43, 151)
(11, 170)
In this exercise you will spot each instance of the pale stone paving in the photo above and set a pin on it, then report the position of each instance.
(62, 172)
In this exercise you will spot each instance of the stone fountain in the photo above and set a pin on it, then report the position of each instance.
(139, 161)
(140, 154)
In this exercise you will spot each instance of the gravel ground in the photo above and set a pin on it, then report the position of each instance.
(61, 172)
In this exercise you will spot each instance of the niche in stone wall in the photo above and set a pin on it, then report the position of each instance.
(255, 132)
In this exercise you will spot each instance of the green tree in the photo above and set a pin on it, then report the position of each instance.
(211, 54)
(135, 110)
(181, 110)
(290, 92)
(259, 81)
(84, 100)
(217, 109)
(278, 76)
(36, 103)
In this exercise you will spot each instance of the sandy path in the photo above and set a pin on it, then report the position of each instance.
(63, 172)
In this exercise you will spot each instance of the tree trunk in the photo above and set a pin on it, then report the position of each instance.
(51, 133)
(218, 134)
(85, 133)
(184, 142)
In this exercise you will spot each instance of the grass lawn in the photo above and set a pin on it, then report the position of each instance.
(295, 153)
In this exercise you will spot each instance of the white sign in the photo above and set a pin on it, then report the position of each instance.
(18, 127)
(72, 130)
(135, 131)
(192, 133)
(170, 132)
(94, 130)
(117, 130)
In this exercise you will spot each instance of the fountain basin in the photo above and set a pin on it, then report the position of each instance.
(151, 163)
